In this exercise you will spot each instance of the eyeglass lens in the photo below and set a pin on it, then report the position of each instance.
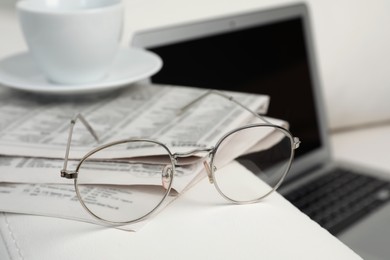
(115, 186)
(269, 161)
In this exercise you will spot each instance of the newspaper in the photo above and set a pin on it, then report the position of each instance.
(47, 171)
(56, 201)
(34, 131)
(44, 170)
(38, 127)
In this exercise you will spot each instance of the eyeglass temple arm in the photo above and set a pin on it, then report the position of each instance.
(228, 97)
(296, 141)
(72, 123)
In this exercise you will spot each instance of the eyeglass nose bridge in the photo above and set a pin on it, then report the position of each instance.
(166, 176)
(206, 164)
(208, 171)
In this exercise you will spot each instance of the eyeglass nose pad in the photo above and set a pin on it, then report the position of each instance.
(166, 176)
(208, 171)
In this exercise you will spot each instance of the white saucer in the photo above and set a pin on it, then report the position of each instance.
(20, 72)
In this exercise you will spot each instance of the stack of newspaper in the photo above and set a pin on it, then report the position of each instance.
(34, 129)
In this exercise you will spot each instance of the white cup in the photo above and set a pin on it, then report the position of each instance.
(72, 41)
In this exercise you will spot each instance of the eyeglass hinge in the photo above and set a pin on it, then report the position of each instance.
(68, 174)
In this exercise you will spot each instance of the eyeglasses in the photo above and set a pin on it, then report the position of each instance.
(125, 181)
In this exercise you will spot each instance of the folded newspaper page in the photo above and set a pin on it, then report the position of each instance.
(46, 170)
(33, 136)
(38, 127)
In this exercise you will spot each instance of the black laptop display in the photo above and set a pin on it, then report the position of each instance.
(269, 60)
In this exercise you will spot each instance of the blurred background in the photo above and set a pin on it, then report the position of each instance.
(352, 39)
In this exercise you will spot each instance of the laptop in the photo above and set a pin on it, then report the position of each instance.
(272, 52)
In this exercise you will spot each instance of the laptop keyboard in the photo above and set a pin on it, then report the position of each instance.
(340, 198)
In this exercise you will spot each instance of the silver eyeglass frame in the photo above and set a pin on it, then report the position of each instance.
(174, 157)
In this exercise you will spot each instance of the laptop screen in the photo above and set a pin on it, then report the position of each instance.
(266, 58)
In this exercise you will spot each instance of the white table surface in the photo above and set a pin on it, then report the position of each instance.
(198, 225)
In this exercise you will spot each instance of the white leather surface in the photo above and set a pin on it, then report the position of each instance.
(199, 225)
